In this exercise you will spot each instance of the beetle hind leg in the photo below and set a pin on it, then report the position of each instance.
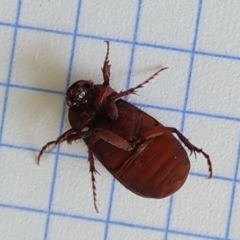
(159, 130)
(195, 149)
(93, 171)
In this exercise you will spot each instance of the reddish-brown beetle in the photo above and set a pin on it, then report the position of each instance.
(135, 148)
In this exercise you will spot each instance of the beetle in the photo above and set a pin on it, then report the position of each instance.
(140, 152)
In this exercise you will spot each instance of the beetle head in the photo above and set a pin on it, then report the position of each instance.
(79, 93)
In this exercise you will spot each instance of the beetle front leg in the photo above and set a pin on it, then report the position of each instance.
(159, 130)
(106, 67)
(106, 77)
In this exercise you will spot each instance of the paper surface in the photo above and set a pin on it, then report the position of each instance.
(47, 45)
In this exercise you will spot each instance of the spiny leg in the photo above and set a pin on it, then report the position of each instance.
(62, 138)
(159, 130)
(93, 171)
(106, 77)
(133, 90)
(112, 110)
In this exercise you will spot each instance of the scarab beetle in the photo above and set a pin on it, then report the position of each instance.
(141, 153)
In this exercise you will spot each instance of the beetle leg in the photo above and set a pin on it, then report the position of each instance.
(106, 76)
(59, 140)
(93, 171)
(113, 139)
(133, 90)
(159, 130)
(106, 67)
(69, 136)
(112, 110)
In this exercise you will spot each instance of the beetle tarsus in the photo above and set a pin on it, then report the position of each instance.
(93, 171)
(43, 150)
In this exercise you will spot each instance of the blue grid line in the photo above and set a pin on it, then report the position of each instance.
(136, 25)
(123, 41)
(118, 223)
(109, 209)
(197, 21)
(32, 88)
(233, 192)
(141, 105)
(62, 119)
(84, 157)
(10, 70)
(22, 208)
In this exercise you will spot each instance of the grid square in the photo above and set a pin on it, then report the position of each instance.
(37, 106)
(168, 22)
(235, 221)
(116, 19)
(21, 225)
(139, 210)
(6, 35)
(57, 15)
(8, 11)
(215, 86)
(218, 138)
(204, 200)
(117, 232)
(41, 60)
(219, 28)
(21, 180)
(73, 189)
(168, 88)
(62, 228)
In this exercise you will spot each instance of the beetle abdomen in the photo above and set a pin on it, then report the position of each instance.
(157, 173)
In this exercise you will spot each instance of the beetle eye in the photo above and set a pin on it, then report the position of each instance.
(81, 94)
